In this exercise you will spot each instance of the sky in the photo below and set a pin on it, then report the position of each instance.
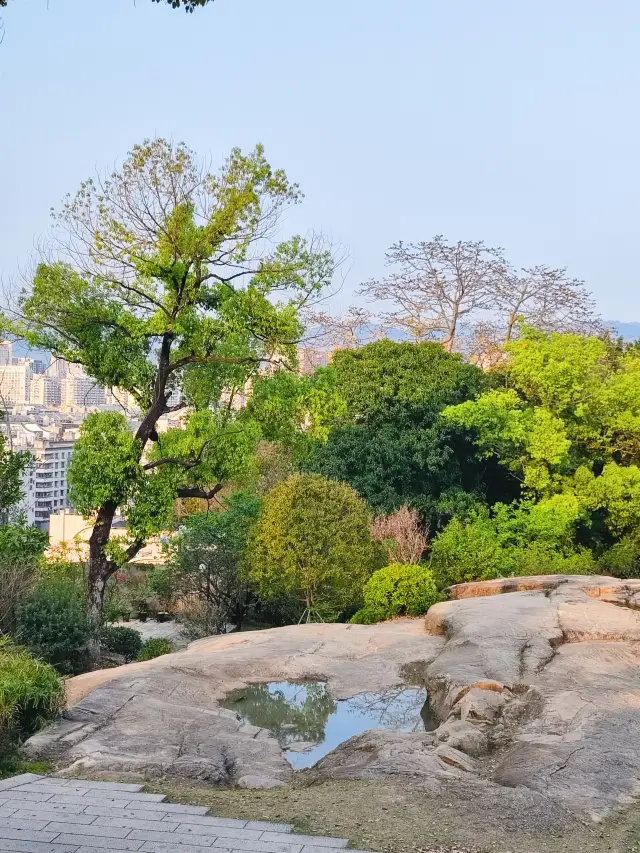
(510, 121)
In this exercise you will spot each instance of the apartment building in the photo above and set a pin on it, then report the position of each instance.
(44, 483)
(15, 383)
(45, 390)
(80, 392)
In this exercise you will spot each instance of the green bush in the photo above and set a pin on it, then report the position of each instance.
(397, 590)
(121, 641)
(53, 624)
(468, 551)
(313, 541)
(623, 559)
(537, 559)
(117, 605)
(31, 694)
(154, 649)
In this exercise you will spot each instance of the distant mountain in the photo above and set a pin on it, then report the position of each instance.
(628, 331)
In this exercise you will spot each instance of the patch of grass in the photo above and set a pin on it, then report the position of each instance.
(14, 766)
(394, 818)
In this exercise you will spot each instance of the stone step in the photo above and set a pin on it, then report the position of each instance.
(40, 814)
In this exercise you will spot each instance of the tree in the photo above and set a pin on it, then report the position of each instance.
(165, 278)
(207, 558)
(313, 539)
(438, 285)
(456, 292)
(566, 424)
(390, 443)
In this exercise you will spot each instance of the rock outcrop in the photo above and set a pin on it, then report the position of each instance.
(535, 683)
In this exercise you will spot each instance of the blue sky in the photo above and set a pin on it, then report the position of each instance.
(511, 121)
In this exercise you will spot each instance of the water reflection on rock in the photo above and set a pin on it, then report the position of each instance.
(309, 723)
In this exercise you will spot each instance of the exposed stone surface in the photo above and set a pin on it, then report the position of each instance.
(536, 682)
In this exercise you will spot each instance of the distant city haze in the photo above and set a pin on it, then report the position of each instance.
(512, 123)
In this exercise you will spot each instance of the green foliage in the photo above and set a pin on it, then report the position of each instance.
(21, 550)
(12, 466)
(154, 648)
(53, 624)
(467, 550)
(521, 539)
(172, 279)
(187, 5)
(622, 560)
(31, 694)
(397, 590)
(207, 562)
(105, 462)
(122, 641)
(390, 443)
(571, 401)
(313, 540)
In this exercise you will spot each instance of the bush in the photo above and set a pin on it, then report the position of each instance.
(313, 540)
(397, 590)
(21, 550)
(53, 624)
(623, 559)
(200, 618)
(154, 649)
(121, 641)
(536, 559)
(117, 605)
(31, 694)
(468, 551)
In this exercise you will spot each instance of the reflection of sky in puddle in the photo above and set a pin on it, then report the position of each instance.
(309, 723)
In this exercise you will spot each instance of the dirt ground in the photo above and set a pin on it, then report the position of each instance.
(393, 818)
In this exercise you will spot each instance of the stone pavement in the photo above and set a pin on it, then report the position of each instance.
(43, 814)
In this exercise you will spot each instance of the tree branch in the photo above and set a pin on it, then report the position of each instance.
(196, 492)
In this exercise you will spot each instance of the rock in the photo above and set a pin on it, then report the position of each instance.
(536, 683)
(483, 706)
(265, 782)
(454, 758)
(472, 740)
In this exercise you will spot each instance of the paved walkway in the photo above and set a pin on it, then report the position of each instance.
(42, 814)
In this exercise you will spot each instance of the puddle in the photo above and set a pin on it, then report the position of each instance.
(309, 723)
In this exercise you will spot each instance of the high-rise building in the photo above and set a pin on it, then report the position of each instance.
(45, 390)
(15, 383)
(38, 365)
(6, 352)
(44, 482)
(80, 391)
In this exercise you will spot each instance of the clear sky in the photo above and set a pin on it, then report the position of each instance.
(511, 121)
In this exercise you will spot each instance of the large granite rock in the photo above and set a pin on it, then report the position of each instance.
(535, 683)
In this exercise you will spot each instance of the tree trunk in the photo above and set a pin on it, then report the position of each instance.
(100, 568)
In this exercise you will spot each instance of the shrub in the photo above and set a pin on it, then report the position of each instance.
(21, 550)
(121, 641)
(397, 590)
(154, 649)
(207, 561)
(313, 540)
(468, 551)
(117, 605)
(53, 624)
(201, 618)
(402, 533)
(31, 694)
(537, 559)
(623, 559)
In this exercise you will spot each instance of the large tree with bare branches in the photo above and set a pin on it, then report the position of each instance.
(466, 295)
(167, 280)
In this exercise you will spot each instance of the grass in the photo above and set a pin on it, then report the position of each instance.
(392, 817)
